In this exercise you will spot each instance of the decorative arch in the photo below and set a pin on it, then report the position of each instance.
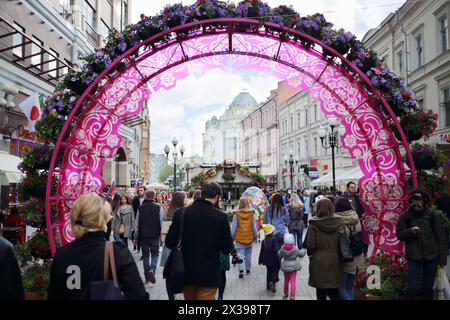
(90, 133)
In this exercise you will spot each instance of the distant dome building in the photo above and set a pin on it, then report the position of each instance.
(221, 136)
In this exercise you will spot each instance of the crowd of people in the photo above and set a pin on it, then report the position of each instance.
(150, 221)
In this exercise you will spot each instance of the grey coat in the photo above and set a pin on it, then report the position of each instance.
(291, 259)
(127, 219)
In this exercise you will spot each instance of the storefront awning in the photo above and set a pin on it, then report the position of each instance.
(8, 168)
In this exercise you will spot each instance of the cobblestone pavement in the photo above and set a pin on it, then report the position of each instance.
(252, 287)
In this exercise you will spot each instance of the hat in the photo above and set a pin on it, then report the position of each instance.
(268, 229)
(289, 238)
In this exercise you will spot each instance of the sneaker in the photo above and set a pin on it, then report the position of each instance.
(292, 297)
(285, 296)
(272, 287)
(241, 274)
(147, 278)
(247, 272)
(151, 276)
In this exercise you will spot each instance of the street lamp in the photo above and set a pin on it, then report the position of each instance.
(331, 140)
(174, 155)
(290, 160)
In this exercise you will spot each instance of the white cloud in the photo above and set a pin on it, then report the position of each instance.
(171, 112)
(357, 16)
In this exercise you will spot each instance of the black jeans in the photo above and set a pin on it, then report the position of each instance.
(223, 282)
(332, 293)
(170, 294)
(272, 274)
(421, 275)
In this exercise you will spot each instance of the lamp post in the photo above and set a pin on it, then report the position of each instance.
(330, 140)
(291, 161)
(187, 167)
(174, 155)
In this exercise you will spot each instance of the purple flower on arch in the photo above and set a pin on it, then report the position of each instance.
(122, 46)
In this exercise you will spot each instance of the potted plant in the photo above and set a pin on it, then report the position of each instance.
(426, 157)
(36, 158)
(23, 253)
(34, 213)
(418, 124)
(34, 185)
(49, 126)
(433, 183)
(35, 280)
(228, 177)
(393, 278)
(340, 40)
(40, 248)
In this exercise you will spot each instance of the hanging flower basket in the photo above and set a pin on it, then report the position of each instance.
(426, 157)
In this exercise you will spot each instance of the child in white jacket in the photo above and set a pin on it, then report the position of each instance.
(290, 256)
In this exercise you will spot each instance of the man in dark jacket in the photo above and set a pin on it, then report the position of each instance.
(148, 233)
(137, 202)
(426, 244)
(351, 196)
(206, 233)
(10, 277)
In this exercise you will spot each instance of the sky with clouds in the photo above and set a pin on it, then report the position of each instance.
(183, 110)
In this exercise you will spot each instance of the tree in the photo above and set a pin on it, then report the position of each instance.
(165, 173)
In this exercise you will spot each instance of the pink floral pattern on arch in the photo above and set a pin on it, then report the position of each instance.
(367, 138)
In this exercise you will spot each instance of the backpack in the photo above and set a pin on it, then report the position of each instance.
(357, 244)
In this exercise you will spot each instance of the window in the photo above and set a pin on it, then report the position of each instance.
(18, 39)
(315, 148)
(299, 150)
(445, 106)
(443, 28)
(419, 50)
(36, 51)
(53, 65)
(269, 138)
(292, 123)
(400, 62)
(89, 14)
(306, 115)
(104, 29)
(298, 120)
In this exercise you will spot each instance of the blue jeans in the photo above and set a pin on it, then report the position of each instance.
(298, 234)
(151, 245)
(346, 291)
(245, 253)
(421, 275)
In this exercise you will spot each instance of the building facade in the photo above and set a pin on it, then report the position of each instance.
(414, 44)
(157, 163)
(259, 135)
(40, 41)
(221, 136)
(299, 119)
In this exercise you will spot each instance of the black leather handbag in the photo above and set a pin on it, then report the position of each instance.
(344, 248)
(174, 267)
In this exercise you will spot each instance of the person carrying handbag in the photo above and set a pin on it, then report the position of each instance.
(123, 223)
(325, 267)
(80, 264)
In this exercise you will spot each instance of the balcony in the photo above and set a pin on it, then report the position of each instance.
(93, 36)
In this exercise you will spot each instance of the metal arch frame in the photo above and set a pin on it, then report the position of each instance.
(230, 24)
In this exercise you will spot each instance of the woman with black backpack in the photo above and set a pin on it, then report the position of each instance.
(353, 233)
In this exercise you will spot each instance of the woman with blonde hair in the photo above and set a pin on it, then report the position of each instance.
(295, 224)
(244, 233)
(79, 264)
